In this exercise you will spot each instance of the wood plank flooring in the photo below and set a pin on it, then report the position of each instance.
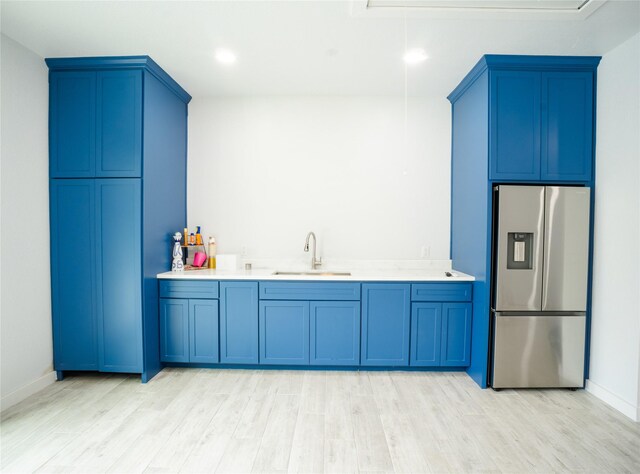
(205, 420)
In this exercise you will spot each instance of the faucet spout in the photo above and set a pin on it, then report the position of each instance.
(315, 262)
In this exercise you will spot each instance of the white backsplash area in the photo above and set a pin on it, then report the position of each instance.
(336, 264)
(264, 171)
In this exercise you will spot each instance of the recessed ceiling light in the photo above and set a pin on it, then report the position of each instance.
(415, 56)
(225, 56)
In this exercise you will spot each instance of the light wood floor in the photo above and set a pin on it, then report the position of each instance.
(190, 420)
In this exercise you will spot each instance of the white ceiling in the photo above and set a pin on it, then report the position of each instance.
(311, 47)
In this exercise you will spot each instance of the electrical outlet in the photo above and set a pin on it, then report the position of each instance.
(425, 251)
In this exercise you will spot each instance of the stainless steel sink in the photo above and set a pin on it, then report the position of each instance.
(318, 273)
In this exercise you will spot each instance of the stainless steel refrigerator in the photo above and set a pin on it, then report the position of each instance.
(541, 255)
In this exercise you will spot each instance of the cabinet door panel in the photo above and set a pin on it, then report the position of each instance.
(73, 274)
(239, 322)
(203, 331)
(426, 319)
(386, 318)
(567, 126)
(284, 332)
(119, 275)
(334, 333)
(72, 124)
(515, 125)
(119, 124)
(456, 334)
(174, 330)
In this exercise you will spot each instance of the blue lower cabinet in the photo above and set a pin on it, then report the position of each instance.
(386, 315)
(284, 332)
(455, 349)
(203, 331)
(334, 333)
(239, 322)
(174, 330)
(426, 322)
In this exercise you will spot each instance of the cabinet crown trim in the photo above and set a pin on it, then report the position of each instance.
(119, 62)
(515, 62)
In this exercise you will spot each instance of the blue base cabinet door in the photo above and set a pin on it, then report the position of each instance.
(284, 332)
(386, 315)
(174, 330)
(239, 322)
(426, 322)
(456, 335)
(203, 331)
(334, 333)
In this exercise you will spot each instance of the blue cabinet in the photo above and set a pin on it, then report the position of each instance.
(72, 125)
(174, 330)
(515, 119)
(334, 333)
(96, 124)
(456, 334)
(426, 333)
(189, 330)
(440, 334)
(110, 167)
(73, 274)
(386, 318)
(284, 332)
(203, 331)
(541, 124)
(96, 279)
(119, 123)
(118, 274)
(239, 322)
(515, 125)
(567, 126)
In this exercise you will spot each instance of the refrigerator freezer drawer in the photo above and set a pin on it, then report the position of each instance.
(536, 351)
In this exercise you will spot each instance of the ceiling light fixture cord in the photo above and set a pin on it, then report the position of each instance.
(406, 86)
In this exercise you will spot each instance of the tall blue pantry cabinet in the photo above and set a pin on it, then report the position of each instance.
(117, 167)
(515, 120)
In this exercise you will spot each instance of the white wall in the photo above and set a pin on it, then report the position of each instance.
(265, 171)
(615, 334)
(25, 310)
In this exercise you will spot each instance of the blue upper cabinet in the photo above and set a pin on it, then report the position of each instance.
(72, 124)
(119, 124)
(541, 116)
(386, 316)
(515, 125)
(96, 126)
(567, 126)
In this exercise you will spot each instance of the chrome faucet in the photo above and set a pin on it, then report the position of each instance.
(315, 262)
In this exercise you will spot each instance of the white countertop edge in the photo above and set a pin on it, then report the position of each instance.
(361, 275)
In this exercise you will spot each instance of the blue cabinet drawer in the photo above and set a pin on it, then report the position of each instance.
(188, 289)
(441, 292)
(309, 291)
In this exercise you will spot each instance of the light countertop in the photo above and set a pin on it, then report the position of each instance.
(356, 275)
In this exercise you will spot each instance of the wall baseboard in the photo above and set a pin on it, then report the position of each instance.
(613, 400)
(23, 392)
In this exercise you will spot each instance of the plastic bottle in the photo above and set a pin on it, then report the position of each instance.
(212, 252)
